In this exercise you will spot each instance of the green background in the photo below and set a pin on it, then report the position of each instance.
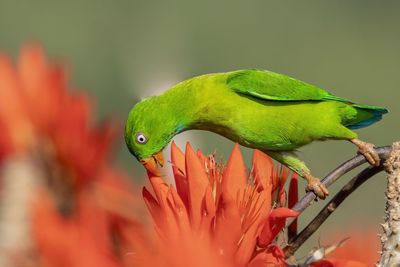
(120, 51)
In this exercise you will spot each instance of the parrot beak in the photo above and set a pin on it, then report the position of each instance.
(151, 163)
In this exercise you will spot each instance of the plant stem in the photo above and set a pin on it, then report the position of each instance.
(329, 208)
(334, 175)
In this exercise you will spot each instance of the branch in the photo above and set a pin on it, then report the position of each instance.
(334, 175)
(329, 208)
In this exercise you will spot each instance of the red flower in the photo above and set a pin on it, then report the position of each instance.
(77, 216)
(218, 216)
(37, 112)
(101, 231)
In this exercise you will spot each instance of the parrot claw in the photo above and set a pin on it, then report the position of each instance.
(368, 151)
(314, 185)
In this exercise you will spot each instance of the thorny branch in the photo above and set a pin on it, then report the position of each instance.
(333, 176)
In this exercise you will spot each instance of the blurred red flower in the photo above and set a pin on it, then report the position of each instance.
(38, 112)
(96, 233)
(77, 205)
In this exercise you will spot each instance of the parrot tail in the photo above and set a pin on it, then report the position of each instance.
(367, 115)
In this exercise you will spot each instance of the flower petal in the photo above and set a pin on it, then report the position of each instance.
(262, 169)
(234, 177)
(181, 214)
(228, 230)
(274, 256)
(152, 205)
(256, 214)
(201, 156)
(281, 180)
(274, 225)
(197, 186)
(15, 132)
(179, 171)
(160, 189)
(208, 211)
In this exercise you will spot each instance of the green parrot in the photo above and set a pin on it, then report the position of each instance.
(256, 108)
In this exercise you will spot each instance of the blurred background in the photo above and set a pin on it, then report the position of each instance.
(122, 51)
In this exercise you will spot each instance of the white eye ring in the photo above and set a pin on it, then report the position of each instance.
(141, 138)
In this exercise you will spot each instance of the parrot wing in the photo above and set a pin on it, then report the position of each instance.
(268, 85)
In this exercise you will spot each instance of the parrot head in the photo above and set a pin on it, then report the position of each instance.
(148, 130)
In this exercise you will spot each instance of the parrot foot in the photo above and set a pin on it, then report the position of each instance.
(368, 151)
(314, 185)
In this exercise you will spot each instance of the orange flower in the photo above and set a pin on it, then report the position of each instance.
(80, 205)
(218, 216)
(37, 112)
(101, 231)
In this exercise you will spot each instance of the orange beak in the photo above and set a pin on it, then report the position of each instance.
(151, 163)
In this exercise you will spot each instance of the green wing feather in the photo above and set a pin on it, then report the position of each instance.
(269, 85)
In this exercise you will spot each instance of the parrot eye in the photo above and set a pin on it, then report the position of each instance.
(141, 138)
